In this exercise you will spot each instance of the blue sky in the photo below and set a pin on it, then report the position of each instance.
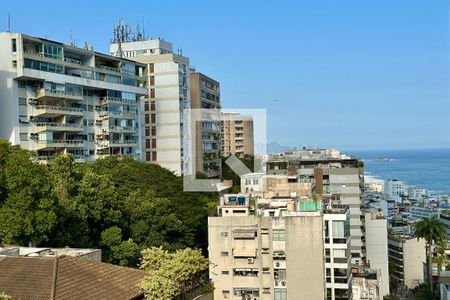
(349, 74)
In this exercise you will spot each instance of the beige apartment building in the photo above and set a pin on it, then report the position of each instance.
(237, 134)
(58, 98)
(165, 131)
(205, 99)
(271, 185)
(279, 248)
(334, 176)
(407, 255)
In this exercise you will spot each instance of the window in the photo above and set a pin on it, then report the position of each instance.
(147, 143)
(280, 294)
(279, 274)
(24, 137)
(226, 294)
(147, 156)
(278, 235)
(147, 106)
(224, 253)
(153, 143)
(154, 156)
(153, 130)
(224, 234)
(153, 118)
(225, 272)
(338, 229)
(14, 45)
(14, 64)
(339, 253)
(147, 131)
(147, 119)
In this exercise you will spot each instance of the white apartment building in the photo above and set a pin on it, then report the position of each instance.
(276, 250)
(58, 98)
(394, 187)
(165, 130)
(407, 254)
(377, 249)
(417, 193)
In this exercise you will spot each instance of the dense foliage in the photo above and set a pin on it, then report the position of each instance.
(171, 273)
(120, 205)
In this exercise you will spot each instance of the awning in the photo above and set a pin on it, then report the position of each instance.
(244, 252)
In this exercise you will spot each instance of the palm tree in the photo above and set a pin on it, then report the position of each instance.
(433, 231)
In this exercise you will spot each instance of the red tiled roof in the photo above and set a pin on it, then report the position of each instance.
(66, 277)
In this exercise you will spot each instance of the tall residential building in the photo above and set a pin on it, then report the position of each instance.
(407, 255)
(165, 131)
(377, 249)
(58, 98)
(336, 177)
(275, 248)
(237, 134)
(205, 96)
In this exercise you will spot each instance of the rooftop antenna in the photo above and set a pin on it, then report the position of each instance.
(143, 27)
(9, 21)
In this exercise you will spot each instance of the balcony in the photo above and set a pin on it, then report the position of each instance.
(120, 129)
(48, 126)
(57, 94)
(117, 143)
(43, 144)
(117, 115)
(114, 100)
(52, 111)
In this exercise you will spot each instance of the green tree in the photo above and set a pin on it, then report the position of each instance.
(97, 204)
(4, 296)
(124, 253)
(152, 221)
(27, 213)
(171, 274)
(433, 231)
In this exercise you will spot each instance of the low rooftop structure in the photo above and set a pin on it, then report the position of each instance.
(67, 277)
(90, 254)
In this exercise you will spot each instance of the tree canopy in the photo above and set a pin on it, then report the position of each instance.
(119, 205)
(171, 273)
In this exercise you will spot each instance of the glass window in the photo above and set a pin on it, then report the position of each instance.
(280, 294)
(338, 229)
(278, 235)
(14, 45)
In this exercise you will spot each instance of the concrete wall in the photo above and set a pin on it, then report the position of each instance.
(304, 257)
(377, 250)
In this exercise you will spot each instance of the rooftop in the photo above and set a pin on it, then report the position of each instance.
(67, 278)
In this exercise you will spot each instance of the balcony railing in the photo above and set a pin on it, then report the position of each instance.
(109, 68)
(60, 144)
(121, 129)
(42, 109)
(59, 126)
(105, 100)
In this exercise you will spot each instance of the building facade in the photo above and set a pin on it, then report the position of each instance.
(205, 96)
(165, 131)
(279, 248)
(237, 134)
(377, 249)
(59, 98)
(335, 176)
(407, 254)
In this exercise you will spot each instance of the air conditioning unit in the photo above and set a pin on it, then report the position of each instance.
(32, 101)
(283, 283)
(251, 260)
(277, 264)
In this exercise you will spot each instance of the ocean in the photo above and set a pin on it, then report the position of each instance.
(429, 169)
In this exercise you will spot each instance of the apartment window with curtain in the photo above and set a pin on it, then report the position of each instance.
(338, 229)
(280, 294)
